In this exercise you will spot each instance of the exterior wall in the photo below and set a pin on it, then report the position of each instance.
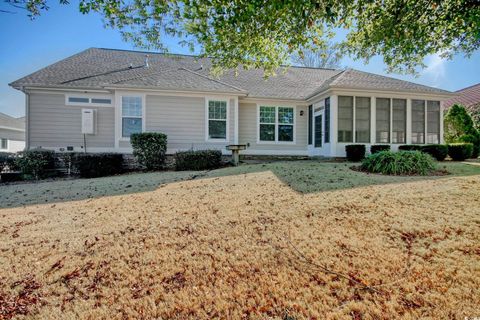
(248, 132)
(15, 140)
(55, 125)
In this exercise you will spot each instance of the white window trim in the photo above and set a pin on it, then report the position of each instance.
(89, 97)
(142, 97)
(1, 144)
(227, 135)
(277, 124)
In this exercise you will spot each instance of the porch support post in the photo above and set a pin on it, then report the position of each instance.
(235, 138)
(442, 140)
(373, 120)
(333, 125)
(409, 122)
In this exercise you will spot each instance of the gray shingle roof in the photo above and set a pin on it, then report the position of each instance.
(100, 68)
(11, 122)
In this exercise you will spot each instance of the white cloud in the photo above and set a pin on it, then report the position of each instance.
(435, 71)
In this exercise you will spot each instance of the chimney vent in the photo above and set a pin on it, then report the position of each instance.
(146, 61)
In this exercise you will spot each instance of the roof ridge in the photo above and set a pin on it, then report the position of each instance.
(206, 77)
(469, 87)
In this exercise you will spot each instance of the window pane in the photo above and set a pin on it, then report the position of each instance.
(318, 131)
(383, 120)
(418, 121)
(217, 129)
(327, 120)
(131, 106)
(433, 122)
(101, 101)
(285, 115)
(285, 132)
(131, 125)
(217, 110)
(267, 132)
(399, 123)
(267, 114)
(362, 119)
(3, 143)
(345, 119)
(78, 100)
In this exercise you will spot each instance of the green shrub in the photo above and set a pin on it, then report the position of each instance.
(355, 152)
(38, 163)
(7, 160)
(149, 149)
(474, 140)
(91, 165)
(198, 160)
(399, 163)
(438, 151)
(410, 147)
(379, 147)
(460, 151)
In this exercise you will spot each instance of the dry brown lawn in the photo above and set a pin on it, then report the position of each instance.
(247, 246)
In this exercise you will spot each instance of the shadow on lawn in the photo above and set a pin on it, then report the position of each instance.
(306, 176)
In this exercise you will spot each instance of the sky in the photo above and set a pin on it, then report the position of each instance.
(27, 46)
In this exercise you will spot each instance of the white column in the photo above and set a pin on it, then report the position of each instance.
(409, 122)
(354, 125)
(333, 125)
(235, 139)
(442, 140)
(373, 120)
(117, 100)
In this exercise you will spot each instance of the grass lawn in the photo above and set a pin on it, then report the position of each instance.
(286, 240)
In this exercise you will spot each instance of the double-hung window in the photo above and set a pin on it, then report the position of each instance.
(276, 124)
(132, 116)
(217, 120)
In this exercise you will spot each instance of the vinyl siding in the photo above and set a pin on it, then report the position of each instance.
(55, 125)
(247, 133)
(12, 134)
(183, 120)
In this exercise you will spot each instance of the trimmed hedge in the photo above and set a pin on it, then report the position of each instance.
(475, 141)
(410, 147)
(37, 163)
(355, 152)
(438, 151)
(379, 147)
(92, 165)
(149, 148)
(399, 163)
(198, 160)
(460, 151)
(7, 160)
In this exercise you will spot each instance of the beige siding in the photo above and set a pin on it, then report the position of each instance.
(247, 132)
(12, 134)
(54, 124)
(183, 119)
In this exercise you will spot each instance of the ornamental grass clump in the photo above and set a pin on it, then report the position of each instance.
(399, 163)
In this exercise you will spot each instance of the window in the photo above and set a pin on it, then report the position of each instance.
(433, 122)
(399, 120)
(345, 119)
(383, 120)
(3, 144)
(276, 124)
(318, 131)
(418, 121)
(310, 119)
(362, 119)
(131, 116)
(217, 120)
(75, 100)
(327, 120)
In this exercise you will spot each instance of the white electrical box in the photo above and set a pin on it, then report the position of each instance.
(88, 121)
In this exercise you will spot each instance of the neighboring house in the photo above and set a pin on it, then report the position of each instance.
(301, 111)
(12, 133)
(469, 98)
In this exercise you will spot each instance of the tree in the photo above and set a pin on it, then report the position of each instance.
(264, 34)
(328, 57)
(458, 127)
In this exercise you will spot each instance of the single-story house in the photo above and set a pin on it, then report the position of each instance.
(97, 98)
(468, 97)
(12, 133)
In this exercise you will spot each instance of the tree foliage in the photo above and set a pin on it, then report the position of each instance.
(264, 34)
(328, 57)
(459, 127)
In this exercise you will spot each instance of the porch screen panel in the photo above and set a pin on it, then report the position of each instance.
(399, 120)
(418, 121)
(362, 119)
(383, 120)
(327, 120)
(345, 119)
(433, 122)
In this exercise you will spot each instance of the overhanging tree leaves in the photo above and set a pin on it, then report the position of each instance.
(265, 33)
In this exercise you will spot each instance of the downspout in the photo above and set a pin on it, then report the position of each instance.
(27, 120)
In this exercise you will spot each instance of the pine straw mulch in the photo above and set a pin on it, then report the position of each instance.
(247, 247)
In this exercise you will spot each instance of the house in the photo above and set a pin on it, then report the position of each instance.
(469, 98)
(98, 97)
(12, 133)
